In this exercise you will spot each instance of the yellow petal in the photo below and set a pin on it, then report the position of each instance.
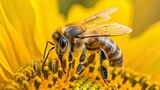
(4, 63)
(47, 20)
(5, 69)
(21, 15)
(2, 75)
(11, 44)
(143, 52)
(8, 50)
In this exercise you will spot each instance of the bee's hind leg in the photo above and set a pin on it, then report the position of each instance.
(104, 62)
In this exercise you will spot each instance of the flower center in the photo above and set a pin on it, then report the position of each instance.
(51, 76)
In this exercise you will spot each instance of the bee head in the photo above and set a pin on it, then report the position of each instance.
(61, 44)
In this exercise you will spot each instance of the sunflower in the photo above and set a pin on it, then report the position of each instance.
(27, 25)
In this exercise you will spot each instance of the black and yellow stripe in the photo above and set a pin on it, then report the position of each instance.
(112, 50)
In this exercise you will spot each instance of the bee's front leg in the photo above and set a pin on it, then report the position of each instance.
(45, 57)
(104, 62)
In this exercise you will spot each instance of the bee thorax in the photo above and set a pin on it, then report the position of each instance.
(71, 31)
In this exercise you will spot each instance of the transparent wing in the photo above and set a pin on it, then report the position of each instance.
(113, 29)
(99, 17)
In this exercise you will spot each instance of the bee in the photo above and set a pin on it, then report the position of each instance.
(87, 35)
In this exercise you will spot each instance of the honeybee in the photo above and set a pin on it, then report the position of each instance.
(86, 35)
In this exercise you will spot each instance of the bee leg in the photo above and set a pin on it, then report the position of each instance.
(48, 42)
(104, 63)
(91, 58)
(81, 60)
(46, 56)
(70, 58)
(62, 64)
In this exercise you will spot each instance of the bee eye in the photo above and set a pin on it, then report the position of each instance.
(63, 43)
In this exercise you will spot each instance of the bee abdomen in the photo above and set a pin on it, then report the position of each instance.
(113, 52)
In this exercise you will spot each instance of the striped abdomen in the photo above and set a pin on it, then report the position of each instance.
(113, 52)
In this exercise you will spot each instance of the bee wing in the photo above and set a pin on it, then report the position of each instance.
(99, 17)
(113, 29)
